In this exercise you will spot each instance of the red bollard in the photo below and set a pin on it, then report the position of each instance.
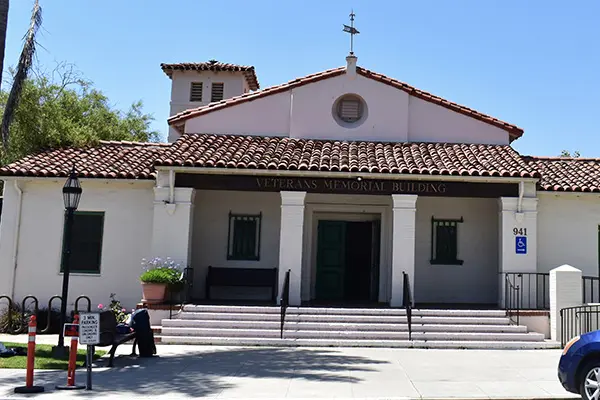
(29, 388)
(72, 362)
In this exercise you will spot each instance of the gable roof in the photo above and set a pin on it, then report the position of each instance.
(213, 65)
(177, 120)
(285, 153)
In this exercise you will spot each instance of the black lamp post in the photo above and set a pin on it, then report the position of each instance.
(71, 195)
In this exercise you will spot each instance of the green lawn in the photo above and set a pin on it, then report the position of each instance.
(43, 357)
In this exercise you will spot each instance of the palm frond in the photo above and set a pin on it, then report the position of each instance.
(25, 62)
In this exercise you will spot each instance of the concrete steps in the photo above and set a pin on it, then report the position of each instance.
(324, 326)
(347, 327)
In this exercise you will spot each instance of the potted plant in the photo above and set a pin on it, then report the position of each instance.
(159, 273)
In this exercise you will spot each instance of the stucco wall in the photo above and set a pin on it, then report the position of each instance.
(233, 85)
(568, 231)
(306, 112)
(476, 281)
(432, 123)
(126, 240)
(268, 116)
(211, 228)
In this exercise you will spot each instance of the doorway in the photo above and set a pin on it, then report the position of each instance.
(347, 261)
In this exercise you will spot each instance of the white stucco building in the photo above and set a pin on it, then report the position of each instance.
(346, 177)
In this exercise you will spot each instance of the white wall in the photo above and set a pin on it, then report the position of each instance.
(267, 116)
(387, 110)
(306, 112)
(432, 123)
(568, 231)
(211, 228)
(126, 240)
(476, 281)
(234, 84)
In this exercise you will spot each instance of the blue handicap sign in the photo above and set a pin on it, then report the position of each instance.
(521, 244)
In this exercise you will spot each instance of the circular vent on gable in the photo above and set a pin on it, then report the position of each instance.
(349, 110)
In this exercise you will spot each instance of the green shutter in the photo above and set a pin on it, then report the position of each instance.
(86, 242)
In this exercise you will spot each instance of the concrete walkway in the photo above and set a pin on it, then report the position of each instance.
(234, 372)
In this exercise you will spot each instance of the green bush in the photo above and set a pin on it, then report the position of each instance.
(158, 270)
(160, 275)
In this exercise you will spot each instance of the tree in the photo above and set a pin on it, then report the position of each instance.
(3, 28)
(566, 153)
(25, 62)
(60, 109)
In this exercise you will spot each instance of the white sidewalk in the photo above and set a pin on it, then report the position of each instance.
(228, 372)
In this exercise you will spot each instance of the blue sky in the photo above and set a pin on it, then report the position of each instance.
(533, 63)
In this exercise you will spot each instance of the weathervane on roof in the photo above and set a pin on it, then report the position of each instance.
(352, 31)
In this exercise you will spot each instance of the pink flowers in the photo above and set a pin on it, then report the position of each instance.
(100, 306)
(124, 310)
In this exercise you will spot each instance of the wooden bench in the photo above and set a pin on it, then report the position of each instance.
(110, 337)
(242, 277)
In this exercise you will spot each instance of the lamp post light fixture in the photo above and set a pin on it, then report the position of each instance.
(71, 196)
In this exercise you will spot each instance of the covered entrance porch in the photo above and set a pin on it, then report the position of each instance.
(346, 241)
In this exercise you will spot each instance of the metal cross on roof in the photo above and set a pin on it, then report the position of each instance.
(352, 31)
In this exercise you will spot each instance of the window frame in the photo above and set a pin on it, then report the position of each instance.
(435, 223)
(257, 218)
(212, 91)
(201, 91)
(62, 254)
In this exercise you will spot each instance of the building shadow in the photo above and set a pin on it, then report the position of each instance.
(207, 373)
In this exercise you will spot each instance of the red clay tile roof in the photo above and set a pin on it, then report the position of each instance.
(283, 153)
(566, 174)
(130, 160)
(177, 119)
(248, 70)
(120, 160)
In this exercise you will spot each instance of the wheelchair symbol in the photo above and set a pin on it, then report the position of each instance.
(521, 245)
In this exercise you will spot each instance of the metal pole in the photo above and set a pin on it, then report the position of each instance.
(60, 349)
(90, 352)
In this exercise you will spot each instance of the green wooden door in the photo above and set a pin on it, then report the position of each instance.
(331, 238)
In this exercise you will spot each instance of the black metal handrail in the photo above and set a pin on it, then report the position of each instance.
(512, 297)
(407, 302)
(527, 290)
(187, 280)
(591, 289)
(285, 300)
(578, 320)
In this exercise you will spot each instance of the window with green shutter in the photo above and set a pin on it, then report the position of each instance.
(444, 241)
(86, 242)
(244, 237)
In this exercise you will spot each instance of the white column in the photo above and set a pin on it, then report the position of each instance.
(517, 240)
(290, 242)
(565, 291)
(172, 224)
(403, 243)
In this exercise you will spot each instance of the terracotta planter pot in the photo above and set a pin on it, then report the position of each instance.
(153, 292)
